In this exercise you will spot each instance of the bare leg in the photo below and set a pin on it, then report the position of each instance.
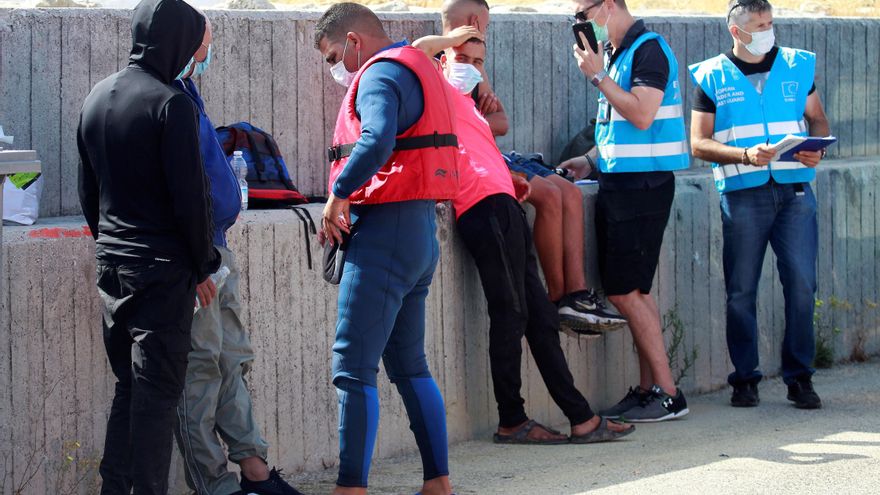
(547, 200)
(646, 378)
(644, 321)
(254, 469)
(572, 234)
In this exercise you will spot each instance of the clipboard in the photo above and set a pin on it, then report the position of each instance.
(789, 145)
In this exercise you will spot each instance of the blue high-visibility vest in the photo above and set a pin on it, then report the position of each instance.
(624, 147)
(745, 118)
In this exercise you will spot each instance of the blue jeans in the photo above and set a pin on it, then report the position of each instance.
(785, 216)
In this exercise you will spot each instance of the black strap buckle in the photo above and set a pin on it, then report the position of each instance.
(339, 151)
(334, 153)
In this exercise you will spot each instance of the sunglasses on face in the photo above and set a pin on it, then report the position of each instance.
(581, 15)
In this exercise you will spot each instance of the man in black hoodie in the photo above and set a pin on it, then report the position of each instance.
(144, 193)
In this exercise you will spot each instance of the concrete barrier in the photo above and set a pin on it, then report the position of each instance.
(266, 71)
(58, 385)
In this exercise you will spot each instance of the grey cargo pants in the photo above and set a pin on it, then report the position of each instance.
(216, 403)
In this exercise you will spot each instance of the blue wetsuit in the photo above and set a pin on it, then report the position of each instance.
(388, 269)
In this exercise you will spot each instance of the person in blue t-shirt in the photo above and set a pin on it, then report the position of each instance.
(215, 399)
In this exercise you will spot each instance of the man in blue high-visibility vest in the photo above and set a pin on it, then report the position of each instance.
(641, 139)
(745, 99)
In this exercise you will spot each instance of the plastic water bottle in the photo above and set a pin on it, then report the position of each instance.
(218, 278)
(241, 169)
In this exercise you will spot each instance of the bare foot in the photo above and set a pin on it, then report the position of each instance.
(344, 490)
(538, 433)
(591, 425)
(437, 486)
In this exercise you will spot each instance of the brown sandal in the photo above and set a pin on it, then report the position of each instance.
(521, 436)
(601, 434)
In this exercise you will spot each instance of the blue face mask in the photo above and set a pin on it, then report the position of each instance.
(185, 70)
(200, 67)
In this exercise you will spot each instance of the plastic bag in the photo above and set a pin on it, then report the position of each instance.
(22, 206)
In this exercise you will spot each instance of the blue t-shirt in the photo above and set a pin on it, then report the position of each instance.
(389, 101)
(225, 193)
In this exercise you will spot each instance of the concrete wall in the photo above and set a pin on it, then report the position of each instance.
(267, 72)
(58, 386)
(56, 379)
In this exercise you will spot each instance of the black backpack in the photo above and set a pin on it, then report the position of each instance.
(269, 184)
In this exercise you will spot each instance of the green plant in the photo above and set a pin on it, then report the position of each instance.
(74, 468)
(825, 332)
(824, 357)
(66, 473)
(675, 350)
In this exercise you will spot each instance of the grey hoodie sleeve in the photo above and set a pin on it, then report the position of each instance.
(187, 183)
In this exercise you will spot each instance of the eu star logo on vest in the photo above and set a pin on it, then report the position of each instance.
(789, 90)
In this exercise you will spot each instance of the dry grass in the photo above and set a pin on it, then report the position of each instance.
(857, 8)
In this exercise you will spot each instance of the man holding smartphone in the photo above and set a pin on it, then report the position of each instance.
(640, 138)
(745, 99)
(559, 213)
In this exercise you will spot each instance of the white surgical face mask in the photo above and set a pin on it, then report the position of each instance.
(463, 77)
(762, 41)
(340, 73)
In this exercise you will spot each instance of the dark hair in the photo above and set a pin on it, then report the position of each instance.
(737, 7)
(343, 17)
(476, 40)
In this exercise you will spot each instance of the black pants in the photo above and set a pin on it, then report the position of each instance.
(497, 234)
(148, 310)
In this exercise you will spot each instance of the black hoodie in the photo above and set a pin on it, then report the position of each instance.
(142, 185)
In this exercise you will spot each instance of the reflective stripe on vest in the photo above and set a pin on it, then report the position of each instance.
(745, 118)
(625, 148)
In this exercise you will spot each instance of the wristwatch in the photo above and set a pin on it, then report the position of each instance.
(598, 78)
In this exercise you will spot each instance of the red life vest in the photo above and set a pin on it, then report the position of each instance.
(483, 171)
(424, 164)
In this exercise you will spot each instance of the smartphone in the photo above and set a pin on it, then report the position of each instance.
(587, 29)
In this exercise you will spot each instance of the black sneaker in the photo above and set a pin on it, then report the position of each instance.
(745, 395)
(657, 406)
(802, 394)
(272, 486)
(583, 312)
(632, 399)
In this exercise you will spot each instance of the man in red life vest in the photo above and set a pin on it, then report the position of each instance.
(494, 229)
(394, 155)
